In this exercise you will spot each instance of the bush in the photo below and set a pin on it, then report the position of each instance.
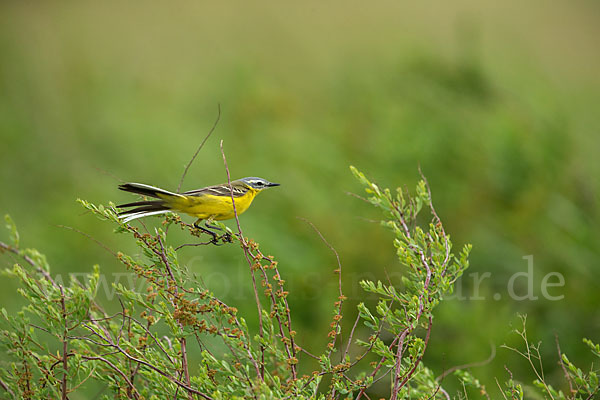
(63, 339)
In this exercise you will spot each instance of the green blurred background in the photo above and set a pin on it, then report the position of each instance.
(497, 102)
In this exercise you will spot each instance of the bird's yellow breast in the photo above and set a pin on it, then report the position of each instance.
(215, 207)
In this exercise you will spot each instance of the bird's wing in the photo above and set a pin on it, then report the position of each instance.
(220, 190)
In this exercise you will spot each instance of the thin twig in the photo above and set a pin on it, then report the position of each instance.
(65, 344)
(438, 223)
(99, 243)
(291, 347)
(562, 365)
(500, 387)
(420, 357)
(105, 172)
(116, 369)
(146, 328)
(241, 328)
(591, 396)
(247, 254)
(358, 197)
(182, 340)
(377, 367)
(144, 363)
(470, 365)
(199, 148)
(184, 364)
(341, 297)
(6, 388)
(446, 395)
(351, 336)
(529, 356)
(30, 262)
(193, 245)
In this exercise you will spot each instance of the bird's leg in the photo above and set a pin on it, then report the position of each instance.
(209, 226)
(200, 227)
(226, 237)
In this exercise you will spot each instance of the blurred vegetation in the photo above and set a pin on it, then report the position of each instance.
(496, 103)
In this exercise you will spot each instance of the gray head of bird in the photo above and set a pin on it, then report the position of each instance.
(257, 183)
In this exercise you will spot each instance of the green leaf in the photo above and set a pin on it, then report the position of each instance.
(593, 346)
(12, 227)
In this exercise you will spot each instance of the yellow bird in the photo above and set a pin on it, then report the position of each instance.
(209, 203)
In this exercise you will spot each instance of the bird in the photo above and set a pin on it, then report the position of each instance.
(211, 203)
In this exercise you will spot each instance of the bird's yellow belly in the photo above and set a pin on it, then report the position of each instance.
(215, 207)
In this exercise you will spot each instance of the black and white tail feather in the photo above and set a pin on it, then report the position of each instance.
(144, 208)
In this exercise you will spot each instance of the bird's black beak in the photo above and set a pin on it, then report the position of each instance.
(270, 184)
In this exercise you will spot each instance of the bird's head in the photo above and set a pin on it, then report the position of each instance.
(258, 183)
